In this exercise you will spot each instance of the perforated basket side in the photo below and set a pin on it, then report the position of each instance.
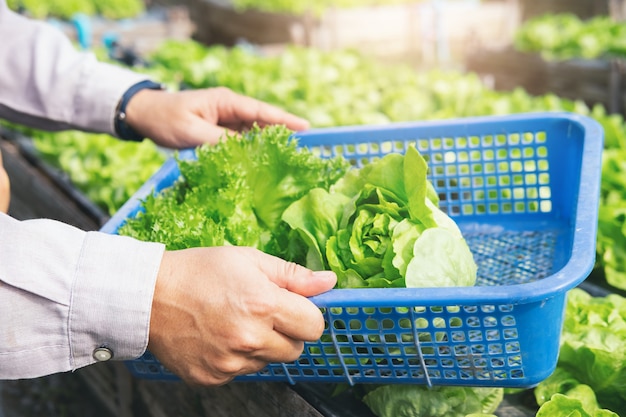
(500, 345)
(481, 344)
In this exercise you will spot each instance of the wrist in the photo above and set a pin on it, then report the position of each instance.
(122, 127)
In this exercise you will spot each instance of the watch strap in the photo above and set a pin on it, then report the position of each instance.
(122, 129)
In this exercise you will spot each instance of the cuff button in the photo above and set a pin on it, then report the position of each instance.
(102, 354)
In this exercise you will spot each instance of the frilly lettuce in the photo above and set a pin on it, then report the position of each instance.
(235, 192)
(380, 226)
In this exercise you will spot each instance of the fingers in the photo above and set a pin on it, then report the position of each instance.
(301, 280)
(237, 111)
(298, 318)
(250, 110)
(215, 374)
(294, 277)
(199, 128)
(279, 348)
(190, 118)
(224, 311)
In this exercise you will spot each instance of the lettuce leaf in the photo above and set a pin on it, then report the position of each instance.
(440, 259)
(419, 401)
(235, 193)
(611, 242)
(592, 346)
(563, 395)
(379, 226)
(565, 406)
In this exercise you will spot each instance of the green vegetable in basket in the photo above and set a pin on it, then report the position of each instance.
(380, 226)
(235, 193)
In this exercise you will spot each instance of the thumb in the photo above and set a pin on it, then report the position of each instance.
(296, 278)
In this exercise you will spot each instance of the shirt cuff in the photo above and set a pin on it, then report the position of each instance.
(99, 92)
(111, 301)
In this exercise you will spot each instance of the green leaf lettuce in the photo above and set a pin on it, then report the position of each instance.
(234, 193)
(379, 226)
(419, 401)
(592, 345)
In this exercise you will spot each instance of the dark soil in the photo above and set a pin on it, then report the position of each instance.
(61, 395)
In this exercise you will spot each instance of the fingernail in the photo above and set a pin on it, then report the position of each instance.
(324, 274)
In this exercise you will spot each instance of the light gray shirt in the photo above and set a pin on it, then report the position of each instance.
(65, 292)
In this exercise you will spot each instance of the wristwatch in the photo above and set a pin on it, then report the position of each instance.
(123, 130)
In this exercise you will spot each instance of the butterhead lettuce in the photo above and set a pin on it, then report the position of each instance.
(562, 395)
(592, 345)
(380, 226)
(419, 401)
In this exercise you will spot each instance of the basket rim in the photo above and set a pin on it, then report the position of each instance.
(576, 270)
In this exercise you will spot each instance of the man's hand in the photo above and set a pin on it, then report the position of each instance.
(224, 311)
(189, 118)
(5, 188)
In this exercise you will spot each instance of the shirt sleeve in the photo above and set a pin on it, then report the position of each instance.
(46, 83)
(65, 292)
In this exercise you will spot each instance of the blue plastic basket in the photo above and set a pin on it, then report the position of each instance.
(524, 190)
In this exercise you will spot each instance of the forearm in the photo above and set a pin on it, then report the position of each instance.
(65, 292)
(46, 83)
